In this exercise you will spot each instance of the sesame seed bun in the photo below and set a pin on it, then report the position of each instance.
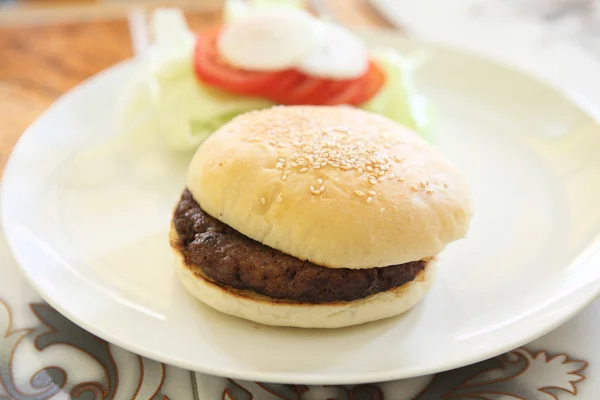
(265, 310)
(338, 186)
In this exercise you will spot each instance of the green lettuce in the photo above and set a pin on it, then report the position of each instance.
(399, 99)
(167, 99)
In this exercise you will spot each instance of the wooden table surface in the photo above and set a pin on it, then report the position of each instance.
(46, 50)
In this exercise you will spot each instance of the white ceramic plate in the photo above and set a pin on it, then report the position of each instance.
(89, 228)
(563, 51)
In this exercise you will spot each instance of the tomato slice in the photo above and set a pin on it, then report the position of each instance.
(213, 71)
(306, 91)
(316, 91)
(279, 91)
(374, 80)
(358, 91)
(347, 92)
(284, 87)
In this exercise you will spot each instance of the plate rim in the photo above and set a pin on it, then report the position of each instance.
(576, 301)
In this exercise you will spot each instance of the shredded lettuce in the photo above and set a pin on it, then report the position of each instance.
(188, 112)
(399, 99)
(169, 31)
(185, 112)
(166, 99)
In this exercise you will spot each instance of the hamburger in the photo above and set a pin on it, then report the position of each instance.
(315, 217)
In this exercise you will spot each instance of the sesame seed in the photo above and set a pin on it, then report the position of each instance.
(280, 197)
(317, 191)
(358, 148)
(263, 201)
(402, 179)
(429, 191)
(414, 187)
(359, 192)
(392, 176)
(372, 192)
(445, 185)
(319, 181)
(284, 177)
(424, 183)
(369, 199)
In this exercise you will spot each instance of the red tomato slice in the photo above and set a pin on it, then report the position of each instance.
(326, 91)
(357, 91)
(212, 70)
(279, 91)
(304, 89)
(372, 83)
(284, 87)
(347, 92)
(312, 91)
(307, 91)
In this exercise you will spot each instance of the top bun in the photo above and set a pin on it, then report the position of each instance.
(338, 186)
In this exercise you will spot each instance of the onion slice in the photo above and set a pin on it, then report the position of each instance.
(339, 54)
(269, 40)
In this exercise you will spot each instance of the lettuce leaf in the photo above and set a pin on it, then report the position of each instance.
(167, 97)
(399, 99)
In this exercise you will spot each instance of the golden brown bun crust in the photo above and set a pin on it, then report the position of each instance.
(254, 307)
(383, 195)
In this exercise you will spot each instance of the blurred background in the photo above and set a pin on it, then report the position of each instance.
(49, 46)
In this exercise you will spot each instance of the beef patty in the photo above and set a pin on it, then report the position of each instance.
(229, 258)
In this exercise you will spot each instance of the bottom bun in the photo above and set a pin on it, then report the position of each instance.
(255, 307)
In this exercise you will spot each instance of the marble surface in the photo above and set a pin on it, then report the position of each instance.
(557, 42)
